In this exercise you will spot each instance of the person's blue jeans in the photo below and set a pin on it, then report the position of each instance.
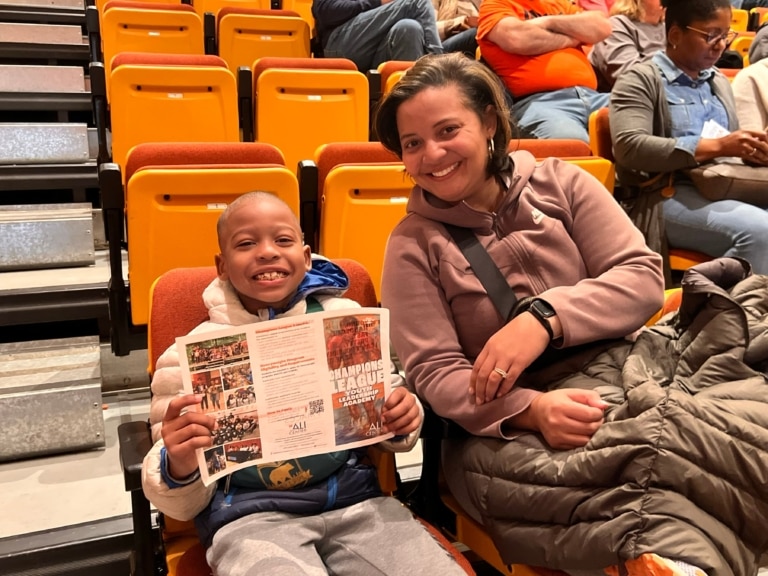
(399, 30)
(561, 113)
(465, 41)
(722, 228)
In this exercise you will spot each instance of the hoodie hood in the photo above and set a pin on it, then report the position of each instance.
(427, 205)
(324, 277)
(224, 306)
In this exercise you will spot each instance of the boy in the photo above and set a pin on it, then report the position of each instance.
(337, 522)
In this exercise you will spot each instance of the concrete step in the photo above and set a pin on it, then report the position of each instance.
(50, 397)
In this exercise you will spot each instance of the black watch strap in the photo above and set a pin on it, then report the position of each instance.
(542, 311)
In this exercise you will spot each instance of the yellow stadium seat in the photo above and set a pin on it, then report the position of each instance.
(298, 109)
(101, 3)
(759, 16)
(171, 210)
(741, 45)
(360, 206)
(739, 20)
(147, 27)
(304, 9)
(213, 6)
(179, 229)
(312, 174)
(244, 36)
(171, 98)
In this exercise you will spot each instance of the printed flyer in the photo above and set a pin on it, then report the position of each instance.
(289, 388)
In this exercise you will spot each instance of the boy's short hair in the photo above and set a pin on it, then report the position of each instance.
(247, 198)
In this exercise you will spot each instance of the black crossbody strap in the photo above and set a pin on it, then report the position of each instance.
(485, 269)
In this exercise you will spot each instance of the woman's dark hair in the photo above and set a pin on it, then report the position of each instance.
(479, 86)
(683, 12)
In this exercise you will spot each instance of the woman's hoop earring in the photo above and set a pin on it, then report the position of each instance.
(491, 149)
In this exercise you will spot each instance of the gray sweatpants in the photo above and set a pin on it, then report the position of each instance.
(375, 537)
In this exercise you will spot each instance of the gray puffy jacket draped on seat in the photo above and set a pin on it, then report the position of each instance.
(680, 467)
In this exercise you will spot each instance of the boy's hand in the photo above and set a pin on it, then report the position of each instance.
(401, 414)
(184, 433)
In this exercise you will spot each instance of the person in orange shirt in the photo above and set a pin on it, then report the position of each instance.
(536, 47)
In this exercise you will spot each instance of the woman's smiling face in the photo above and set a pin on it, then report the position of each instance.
(445, 146)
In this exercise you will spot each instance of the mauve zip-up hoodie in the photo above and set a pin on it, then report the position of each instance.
(558, 234)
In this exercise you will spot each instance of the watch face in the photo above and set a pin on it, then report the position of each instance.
(542, 308)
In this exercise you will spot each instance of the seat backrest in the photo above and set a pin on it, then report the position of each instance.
(214, 6)
(245, 35)
(298, 109)
(177, 302)
(742, 44)
(600, 134)
(304, 9)
(127, 26)
(739, 19)
(171, 98)
(172, 208)
(361, 204)
(557, 147)
(575, 151)
(761, 16)
(391, 68)
(333, 154)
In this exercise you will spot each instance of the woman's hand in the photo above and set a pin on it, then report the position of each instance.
(567, 418)
(749, 145)
(401, 414)
(511, 350)
(184, 433)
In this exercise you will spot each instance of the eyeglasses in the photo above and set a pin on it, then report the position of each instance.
(713, 38)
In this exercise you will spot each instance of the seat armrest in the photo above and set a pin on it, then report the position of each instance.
(135, 442)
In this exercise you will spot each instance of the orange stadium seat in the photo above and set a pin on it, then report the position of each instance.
(245, 35)
(301, 103)
(128, 26)
(757, 17)
(313, 172)
(572, 150)
(213, 6)
(741, 45)
(177, 307)
(171, 98)
(739, 19)
(173, 196)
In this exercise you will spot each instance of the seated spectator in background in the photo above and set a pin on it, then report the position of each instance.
(457, 25)
(638, 33)
(370, 32)
(750, 87)
(759, 47)
(536, 47)
(658, 110)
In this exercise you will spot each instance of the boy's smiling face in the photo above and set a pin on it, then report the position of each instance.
(262, 252)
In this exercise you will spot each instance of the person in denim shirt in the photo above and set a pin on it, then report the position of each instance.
(658, 110)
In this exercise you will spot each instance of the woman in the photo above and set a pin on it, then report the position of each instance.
(557, 466)
(638, 33)
(750, 86)
(658, 113)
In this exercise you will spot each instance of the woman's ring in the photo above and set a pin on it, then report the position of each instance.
(501, 373)
(753, 152)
